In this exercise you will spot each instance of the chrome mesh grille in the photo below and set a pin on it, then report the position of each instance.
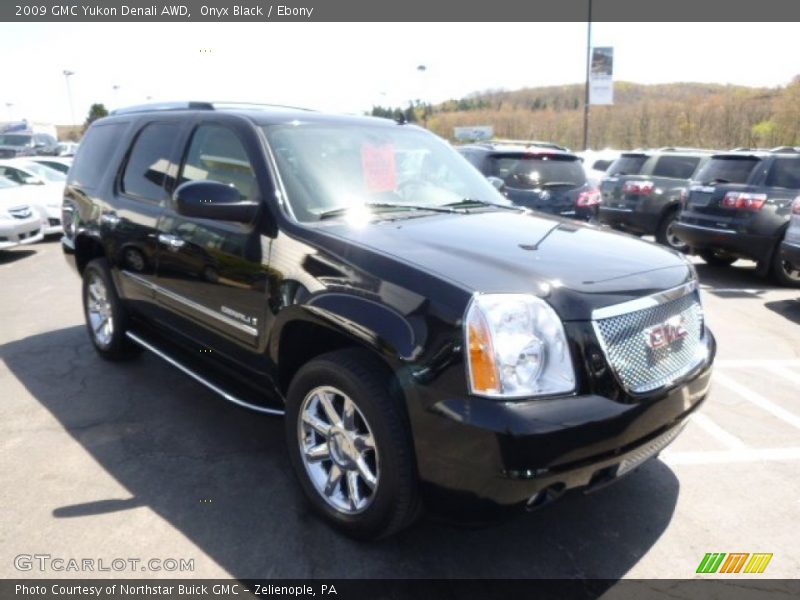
(639, 367)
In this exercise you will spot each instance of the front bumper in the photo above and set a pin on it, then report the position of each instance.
(477, 456)
(791, 252)
(18, 234)
(743, 245)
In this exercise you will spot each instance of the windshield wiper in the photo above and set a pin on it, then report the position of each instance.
(466, 202)
(717, 180)
(342, 210)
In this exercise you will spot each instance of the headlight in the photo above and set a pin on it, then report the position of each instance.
(516, 347)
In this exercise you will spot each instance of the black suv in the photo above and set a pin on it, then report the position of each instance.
(536, 175)
(738, 206)
(642, 191)
(424, 339)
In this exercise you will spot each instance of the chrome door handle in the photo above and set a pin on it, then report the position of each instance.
(173, 242)
(110, 219)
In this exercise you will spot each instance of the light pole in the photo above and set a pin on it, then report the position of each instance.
(115, 88)
(421, 69)
(8, 106)
(67, 75)
(588, 69)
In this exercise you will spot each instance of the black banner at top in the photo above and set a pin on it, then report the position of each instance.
(398, 10)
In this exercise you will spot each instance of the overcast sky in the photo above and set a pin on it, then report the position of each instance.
(350, 67)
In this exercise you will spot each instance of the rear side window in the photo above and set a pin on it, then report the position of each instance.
(727, 169)
(531, 172)
(149, 168)
(94, 155)
(785, 173)
(627, 164)
(676, 167)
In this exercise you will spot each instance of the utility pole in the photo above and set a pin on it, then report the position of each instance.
(67, 75)
(588, 73)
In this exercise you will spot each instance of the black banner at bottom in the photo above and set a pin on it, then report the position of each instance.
(395, 589)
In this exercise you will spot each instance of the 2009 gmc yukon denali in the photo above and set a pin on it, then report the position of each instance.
(429, 343)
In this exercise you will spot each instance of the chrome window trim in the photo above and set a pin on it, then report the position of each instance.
(651, 301)
(191, 304)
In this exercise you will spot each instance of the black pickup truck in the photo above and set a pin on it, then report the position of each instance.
(641, 192)
(428, 343)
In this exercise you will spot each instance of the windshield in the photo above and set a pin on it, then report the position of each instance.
(729, 169)
(627, 164)
(326, 167)
(533, 172)
(45, 173)
(7, 183)
(14, 139)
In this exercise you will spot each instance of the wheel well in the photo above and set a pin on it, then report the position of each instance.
(301, 342)
(87, 249)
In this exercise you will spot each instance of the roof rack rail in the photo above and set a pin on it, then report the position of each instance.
(682, 149)
(527, 143)
(785, 149)
(193, 105)
(155, 106)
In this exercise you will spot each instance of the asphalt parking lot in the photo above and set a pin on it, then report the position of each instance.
(135, 460)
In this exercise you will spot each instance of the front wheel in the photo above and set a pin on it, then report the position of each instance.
(106, 319)
(666, 233)
(717, 258)
(350, 445)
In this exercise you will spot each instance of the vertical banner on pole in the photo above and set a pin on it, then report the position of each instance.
(601, 77)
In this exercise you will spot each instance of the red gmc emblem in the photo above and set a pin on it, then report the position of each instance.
(665, 334)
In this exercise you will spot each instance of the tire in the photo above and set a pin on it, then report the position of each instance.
(782, 272)
(665, 235)
(106, 319)
(715, 258)
(391, 502)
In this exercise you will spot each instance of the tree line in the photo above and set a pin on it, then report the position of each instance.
(675, 114)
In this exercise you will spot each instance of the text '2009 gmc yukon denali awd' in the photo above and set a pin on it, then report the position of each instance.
(429, 344)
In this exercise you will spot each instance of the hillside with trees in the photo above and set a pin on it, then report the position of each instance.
(679, 114)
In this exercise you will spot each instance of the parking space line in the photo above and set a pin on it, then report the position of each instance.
(740, 363)
(717, 432)
(757, 399)
(785, 373)
(714, 457)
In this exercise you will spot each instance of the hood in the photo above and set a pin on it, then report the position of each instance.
(576, 267)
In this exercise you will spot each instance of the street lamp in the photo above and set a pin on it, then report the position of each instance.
(421, 69)
(67, 75)
(8, 106)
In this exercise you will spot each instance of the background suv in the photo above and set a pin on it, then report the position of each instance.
(642, 191)
(536, 175)
(738, 206)
(791, 243)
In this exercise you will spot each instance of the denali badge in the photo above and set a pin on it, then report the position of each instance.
(665, 334)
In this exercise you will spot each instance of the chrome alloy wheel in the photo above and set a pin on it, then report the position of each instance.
(672, 239)
(98, 308)
(790, 271)
(338, 450)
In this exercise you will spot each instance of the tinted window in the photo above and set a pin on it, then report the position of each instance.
(523, 172)
(785, 172)
(217, 154)
(95, 154)
(728, 169)
(627, 164)
(676, 167)
(601, 165)
(149, 168)
(15, 139)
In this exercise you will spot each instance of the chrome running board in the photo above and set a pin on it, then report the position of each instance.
(200, 379)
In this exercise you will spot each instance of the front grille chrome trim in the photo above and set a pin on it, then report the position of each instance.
(624, 308)
(628, 370)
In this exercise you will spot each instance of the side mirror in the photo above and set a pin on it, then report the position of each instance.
(498, 183)
(213, 200)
